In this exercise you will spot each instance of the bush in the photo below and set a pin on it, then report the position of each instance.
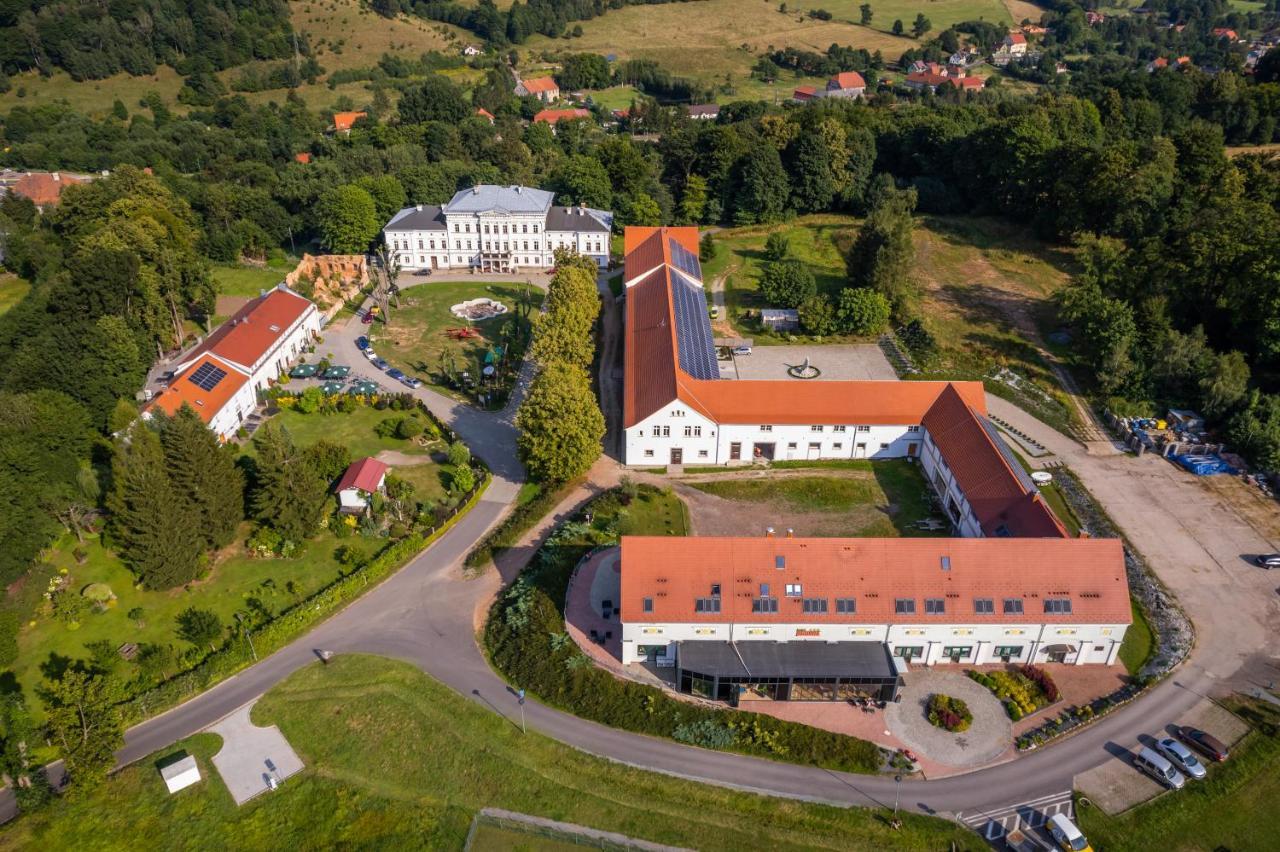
(705, 733)
(10, 622)
(408, 427)
(1023, 691)
(950, 714)
(1041, 678)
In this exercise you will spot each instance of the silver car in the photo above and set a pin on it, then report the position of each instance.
(1181, 758)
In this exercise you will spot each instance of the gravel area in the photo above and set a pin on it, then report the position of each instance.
(990, 735)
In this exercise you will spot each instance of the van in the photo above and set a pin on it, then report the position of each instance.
(1066, 835)
(1159, 768)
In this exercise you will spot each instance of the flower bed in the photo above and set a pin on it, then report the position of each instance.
(950, 714)
(1023, 691)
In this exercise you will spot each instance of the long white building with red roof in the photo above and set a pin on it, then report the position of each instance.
(1012, 586)
(221, 377)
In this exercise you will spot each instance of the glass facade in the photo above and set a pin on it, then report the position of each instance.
(737, 689)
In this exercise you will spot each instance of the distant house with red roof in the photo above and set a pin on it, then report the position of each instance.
(803, 94)
(303, 157)
(44, 189)
(932, 81)
(1015, 44)
(1094, 18)
(359, 483)
(344, 121)
(1224, 32)
(1034, 30)
(246, 354)
(545, 89)
(555, 116)
(485, 114)
(846, 84)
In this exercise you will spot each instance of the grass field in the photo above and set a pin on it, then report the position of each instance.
(354, 431)
(415, 341)
(397, 761)
(941, 13)
(1139, 641)
(1236, 807)
(870, 499)
(246, 280)
(12, 291)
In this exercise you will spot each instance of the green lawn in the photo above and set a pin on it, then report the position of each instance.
(12, 291)
(246, 280)
(1139, 641)
(655, 513)
(234, 579)
(1236, 808)
(874, 499)
(354, 430)
(415, 341)
(397, 761)
(615, 97)
(493, 838)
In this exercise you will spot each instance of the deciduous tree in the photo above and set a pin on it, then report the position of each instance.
(560, 424)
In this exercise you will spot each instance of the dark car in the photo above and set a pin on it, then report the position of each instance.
(1268, 560)
(380, 364)
(395, 374)
(367, 319)
(1210, 745)
(362, 343)
(606, 608)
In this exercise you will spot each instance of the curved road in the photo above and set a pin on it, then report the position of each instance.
(426, 614)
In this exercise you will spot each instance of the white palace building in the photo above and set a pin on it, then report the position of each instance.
(830, 618)
(496, 229)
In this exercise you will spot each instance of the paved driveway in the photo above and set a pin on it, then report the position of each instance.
(252, 757)
(989, 737)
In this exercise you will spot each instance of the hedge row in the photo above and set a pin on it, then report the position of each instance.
(516, 524)
(526, 641)
(236, 655)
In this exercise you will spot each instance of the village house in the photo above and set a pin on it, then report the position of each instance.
(1015, 44)
(485, 114)
(344, 121)
(704, 112)
(846, 84)
(43, 189)
(555, 116)
(359, 482)
(545, 89)
(496, 229)
(222, 375)
(804, 94)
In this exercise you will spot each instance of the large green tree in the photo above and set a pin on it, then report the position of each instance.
(204, 476)
(289, 494)
(156, 529)
(560, 424)
(348, 219)
(882, 254)
(84, 722)
(787, 283)
(436, 98)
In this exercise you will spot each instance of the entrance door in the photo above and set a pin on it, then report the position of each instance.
(735, 451)
(677, 455)
(1057, 657)
(860, 450)
(791, 449)
(815, 449)
(764, 451)
(911, 450)
(435, 262)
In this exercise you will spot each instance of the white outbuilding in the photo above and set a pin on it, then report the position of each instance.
(180, 774)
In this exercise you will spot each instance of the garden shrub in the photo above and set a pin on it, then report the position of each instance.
(1023, 691)
(705, 733)
(949, 713)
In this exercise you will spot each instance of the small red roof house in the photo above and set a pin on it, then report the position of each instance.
(847, 84)
(1223, 32)
(544, 89)
(303, 157)
(554, 116)
(344, 121)
(804, 93)
(359, 483)
(485, 114)
(1156, 64)
(43, 188)
(1184, 60)
(967, 84)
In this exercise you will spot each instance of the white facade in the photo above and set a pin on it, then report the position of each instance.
(927, 644)
(948, 490)
(232, 415)
(498, 229)
(677, 434)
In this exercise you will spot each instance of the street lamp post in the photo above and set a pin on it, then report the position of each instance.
(897, 789)
(520, 696)
(245, 631)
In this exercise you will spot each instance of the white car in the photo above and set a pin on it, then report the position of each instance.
(1181, 758)
(370, 354)
(1066, 835)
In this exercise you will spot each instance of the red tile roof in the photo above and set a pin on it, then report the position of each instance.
(304, 157)
(484, 113)
(537, 85)
(804, 93)
(875, 571)
(207, 403)
(253, 330)
(551, 116)
(365, 475)
(43, 188)
(966, 83)
(1016, 38)
(997, 494)
(928, 78)
(345, 120)
(848, 80)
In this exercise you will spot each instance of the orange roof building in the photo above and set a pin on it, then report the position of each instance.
(545, 89)
(555, 116)
(219, 392)
(44, 189)
(344, 121)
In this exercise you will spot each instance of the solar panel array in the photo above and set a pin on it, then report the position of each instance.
(684, 260)
(694, 342)
(1019, 472)
(207, 376)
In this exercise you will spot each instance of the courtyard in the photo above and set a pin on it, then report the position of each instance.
(838, 362)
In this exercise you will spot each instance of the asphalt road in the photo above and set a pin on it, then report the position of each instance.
(426, 615)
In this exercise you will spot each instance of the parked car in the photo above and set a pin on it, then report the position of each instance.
(367, 319)
(1066, 835)
(1208, 744)
(742, 350)
(606, 608)
(1158, 768)
(1268, 560)
(1181, 757)
(362, 343)
(370, 354)
(381, 364)
(395, 374)
(411, 382)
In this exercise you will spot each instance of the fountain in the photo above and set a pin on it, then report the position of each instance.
(803, 371)
(478, 310)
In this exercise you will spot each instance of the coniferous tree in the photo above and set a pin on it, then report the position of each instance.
(156, 529)
(205, 476)
(289, 494)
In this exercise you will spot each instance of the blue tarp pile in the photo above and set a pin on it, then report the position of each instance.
(1203, 465)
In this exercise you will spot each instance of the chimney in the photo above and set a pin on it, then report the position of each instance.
(791, 533)
(517, 189)
(475, 190)
(768, 532)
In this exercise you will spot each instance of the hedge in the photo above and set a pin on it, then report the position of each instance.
(516, 524)
(236, 655)
(526, 641)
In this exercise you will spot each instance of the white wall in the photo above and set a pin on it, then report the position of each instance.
(944, 485)
(289, 346)
(644, 448)
(227, 420)
(459, 247)
(932, 639)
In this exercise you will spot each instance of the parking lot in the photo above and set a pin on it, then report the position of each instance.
(836, 363)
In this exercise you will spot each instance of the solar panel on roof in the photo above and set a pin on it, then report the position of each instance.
(207, 376)
(694, 343)
(684, 260)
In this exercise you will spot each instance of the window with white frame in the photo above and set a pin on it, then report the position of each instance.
(794, 590)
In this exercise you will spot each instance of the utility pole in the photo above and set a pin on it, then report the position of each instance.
(520, 696)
